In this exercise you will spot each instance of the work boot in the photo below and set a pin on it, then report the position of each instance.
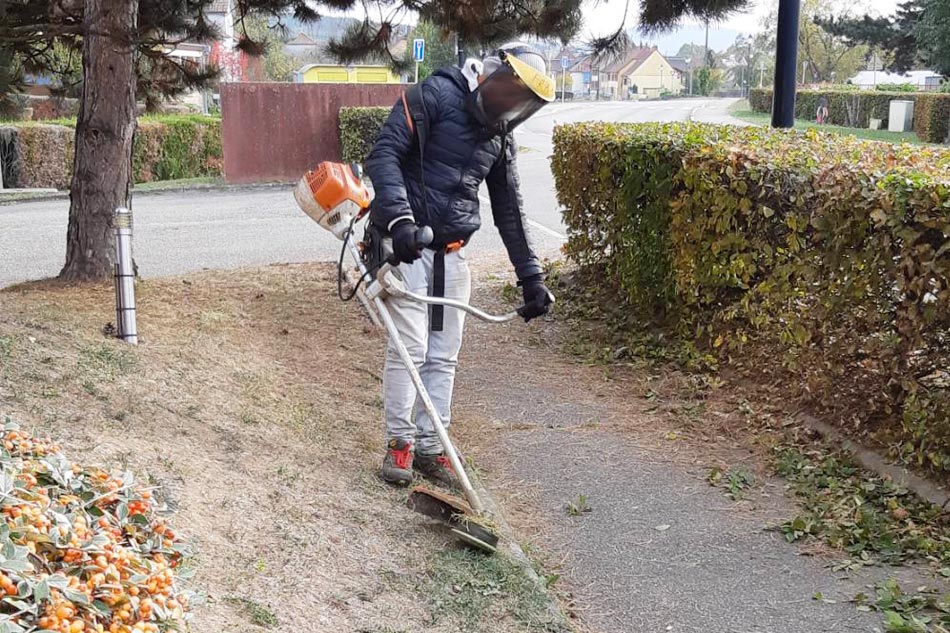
(438, 468)
(397, 465)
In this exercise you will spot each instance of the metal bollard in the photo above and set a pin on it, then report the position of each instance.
(124, 277)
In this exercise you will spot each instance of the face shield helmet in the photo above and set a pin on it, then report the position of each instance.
(515, 86)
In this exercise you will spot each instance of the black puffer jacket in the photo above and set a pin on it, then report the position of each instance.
(459, 155)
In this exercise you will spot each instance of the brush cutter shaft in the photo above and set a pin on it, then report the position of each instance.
(427, 403)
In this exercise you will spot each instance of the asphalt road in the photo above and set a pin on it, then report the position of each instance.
(179, 232)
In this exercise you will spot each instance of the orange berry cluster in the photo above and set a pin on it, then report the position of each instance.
(83, 549)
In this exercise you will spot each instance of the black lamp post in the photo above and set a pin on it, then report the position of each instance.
(786, 64)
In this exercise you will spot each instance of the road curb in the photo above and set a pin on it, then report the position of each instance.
(11, 199)
(876, 463)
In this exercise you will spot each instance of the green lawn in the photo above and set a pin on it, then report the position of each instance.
(873, 135)
(181, 183)
(161, 118)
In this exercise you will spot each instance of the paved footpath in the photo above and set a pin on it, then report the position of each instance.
(662, 550)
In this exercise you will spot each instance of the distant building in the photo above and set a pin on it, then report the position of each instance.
(560, 66)
(583, 79)
(642, 72)
(922, 79)
(682, 67)
(337, 74)
(302, 46)
(232, 62)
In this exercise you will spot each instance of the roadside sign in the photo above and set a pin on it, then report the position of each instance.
(419, 50)
(565, 63)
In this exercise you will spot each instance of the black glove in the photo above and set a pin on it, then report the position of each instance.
(537, 298)
(405, 246)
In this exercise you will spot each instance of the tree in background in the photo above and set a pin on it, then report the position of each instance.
(895, 36)
(63, 62)
(11, 81)
(738, 62)
(763, 57)
(278, 64)
(917, 35)
(707, 80)
(440, 48)
(692, 52)
(828, 57)
(933, 36)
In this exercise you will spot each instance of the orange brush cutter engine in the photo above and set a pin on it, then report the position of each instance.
(333, 196)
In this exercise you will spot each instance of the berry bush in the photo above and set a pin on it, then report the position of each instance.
(83, 549)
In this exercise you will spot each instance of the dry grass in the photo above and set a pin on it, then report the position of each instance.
(253, 400)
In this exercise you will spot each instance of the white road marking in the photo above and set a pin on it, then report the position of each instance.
(544, 229)
(537, 225)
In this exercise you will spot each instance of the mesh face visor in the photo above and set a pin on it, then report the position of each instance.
(505, 101)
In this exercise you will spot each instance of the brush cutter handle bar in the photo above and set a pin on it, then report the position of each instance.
(394, 286)
(461, 305)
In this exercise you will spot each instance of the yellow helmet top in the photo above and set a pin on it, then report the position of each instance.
(539, 83)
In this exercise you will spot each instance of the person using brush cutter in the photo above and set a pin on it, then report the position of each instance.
(444, 138)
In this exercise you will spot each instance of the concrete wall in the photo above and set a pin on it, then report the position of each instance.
(274, 132)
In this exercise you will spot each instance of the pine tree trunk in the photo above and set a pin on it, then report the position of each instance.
(102, 166)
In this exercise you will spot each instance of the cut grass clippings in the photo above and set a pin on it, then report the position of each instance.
(920, 611)
(870, 518)
(257, 613)
(468, 588)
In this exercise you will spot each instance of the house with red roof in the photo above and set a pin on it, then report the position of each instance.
(641, 73)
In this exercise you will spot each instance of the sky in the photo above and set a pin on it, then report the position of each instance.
(602, 17)
(605, 17)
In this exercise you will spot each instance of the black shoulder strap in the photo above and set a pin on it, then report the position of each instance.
(417, 116)
(418, 120)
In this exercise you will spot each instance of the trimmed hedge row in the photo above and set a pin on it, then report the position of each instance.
(174, 147)
(932, 117)
(37, 155)
(854, 108)
(807, 259)
(359, 128)
(165, 148)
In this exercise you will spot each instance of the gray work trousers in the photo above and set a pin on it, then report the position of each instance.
(435, 354)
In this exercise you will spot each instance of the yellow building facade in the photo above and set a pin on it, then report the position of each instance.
(652, 77)
(331, 74)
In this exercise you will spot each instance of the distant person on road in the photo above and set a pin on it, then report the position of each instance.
(467, 116)
(822, 114)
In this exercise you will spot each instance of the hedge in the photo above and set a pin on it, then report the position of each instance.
(932, 116)
(37, 155)
(810, 260)
(854, 108)
(359, 128)
(174, 147)
(165, 148)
